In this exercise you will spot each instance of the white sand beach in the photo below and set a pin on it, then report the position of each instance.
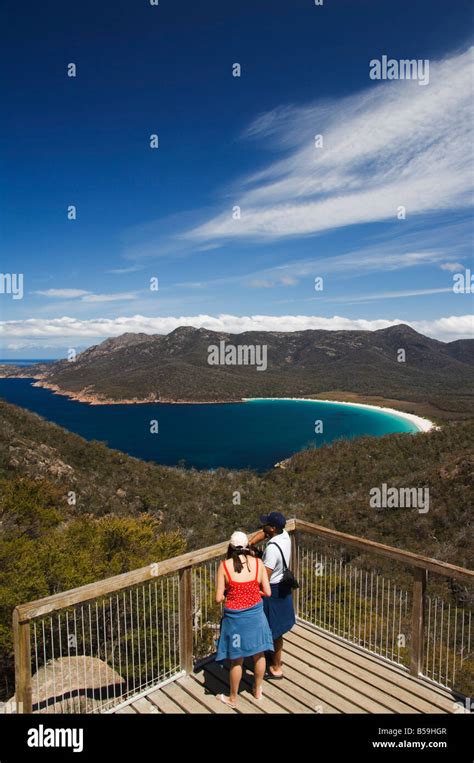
(423, 425)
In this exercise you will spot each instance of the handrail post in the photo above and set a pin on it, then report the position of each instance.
(295, 568)
(22, 648)
(186, 619)
(418, 621)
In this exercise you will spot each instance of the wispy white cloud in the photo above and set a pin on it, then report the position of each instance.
(263, 283)
(117, 297)
(62, 293)
(86, 296)
(50, 344)
(122, 271)
(394, 144)
(349, 299)
(453, 267)
(385, 257)
(447, 328)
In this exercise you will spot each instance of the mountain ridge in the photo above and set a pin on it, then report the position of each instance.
(174, 367)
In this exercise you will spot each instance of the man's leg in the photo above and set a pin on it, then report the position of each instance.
(276, 657)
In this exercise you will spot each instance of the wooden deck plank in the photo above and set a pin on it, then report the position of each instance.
(337, 686)
(442, 698)
(214, 684)
(334, 642)
(199, 693)
(126, 710)
(294, 698)
(144, 707)
(185, 701)
(380, 682)
(246, 702)
(279, 694)
(265, 704)
(323, 698)
(164, 703)
(323, 673)
(354, 651)
(359, 680)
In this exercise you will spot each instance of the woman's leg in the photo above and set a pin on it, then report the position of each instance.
(259, 672)
(235, 678)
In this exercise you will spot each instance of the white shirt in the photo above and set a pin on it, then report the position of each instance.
(272, 557)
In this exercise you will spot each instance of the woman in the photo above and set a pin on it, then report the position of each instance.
(242, 581)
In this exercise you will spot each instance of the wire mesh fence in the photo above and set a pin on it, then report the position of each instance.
(92, 656)
(206, 613)
(368, 601)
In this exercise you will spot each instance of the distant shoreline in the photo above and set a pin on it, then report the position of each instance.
(422, 424)
(90, 399)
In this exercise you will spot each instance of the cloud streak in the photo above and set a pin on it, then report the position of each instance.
(86, 296)
(395, 144)
(62, 293)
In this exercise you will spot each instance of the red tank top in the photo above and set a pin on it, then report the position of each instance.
(242, 594)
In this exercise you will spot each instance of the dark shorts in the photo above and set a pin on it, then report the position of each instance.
(279, 610)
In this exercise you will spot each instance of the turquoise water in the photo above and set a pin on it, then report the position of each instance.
(254, 434)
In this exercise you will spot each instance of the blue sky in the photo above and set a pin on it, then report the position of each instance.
(306, 211)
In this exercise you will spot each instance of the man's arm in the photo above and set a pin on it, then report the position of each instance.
(257, 537)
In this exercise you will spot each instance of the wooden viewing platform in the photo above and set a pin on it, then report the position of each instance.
(322, 675)
(379, 630)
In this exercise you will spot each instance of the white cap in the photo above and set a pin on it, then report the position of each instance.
(239, 540)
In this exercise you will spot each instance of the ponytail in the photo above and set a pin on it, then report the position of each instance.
(235, 554)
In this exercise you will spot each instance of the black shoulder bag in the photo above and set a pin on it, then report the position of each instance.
(288, 581)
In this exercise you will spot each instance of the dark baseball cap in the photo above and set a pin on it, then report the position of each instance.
(274, 519)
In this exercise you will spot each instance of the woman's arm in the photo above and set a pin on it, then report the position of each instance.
(220, 584)
(264, 581)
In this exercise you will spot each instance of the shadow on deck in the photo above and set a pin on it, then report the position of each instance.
(323, 674)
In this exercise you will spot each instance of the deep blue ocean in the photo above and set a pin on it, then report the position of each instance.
(254, 434)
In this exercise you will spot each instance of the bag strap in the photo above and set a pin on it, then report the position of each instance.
(285, 566)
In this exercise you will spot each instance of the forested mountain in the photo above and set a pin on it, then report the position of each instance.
(302, 363)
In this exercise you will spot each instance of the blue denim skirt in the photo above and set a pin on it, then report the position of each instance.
(279, 610)
(244, 632)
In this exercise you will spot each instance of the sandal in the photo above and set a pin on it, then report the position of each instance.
(227, 701)
(273, 677)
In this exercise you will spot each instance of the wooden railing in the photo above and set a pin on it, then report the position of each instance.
(127, 620)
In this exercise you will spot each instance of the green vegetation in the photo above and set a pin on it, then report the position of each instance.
(45, 548)
(128, 513)
(328, 485)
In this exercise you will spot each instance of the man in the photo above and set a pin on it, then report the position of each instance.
(279, 607)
